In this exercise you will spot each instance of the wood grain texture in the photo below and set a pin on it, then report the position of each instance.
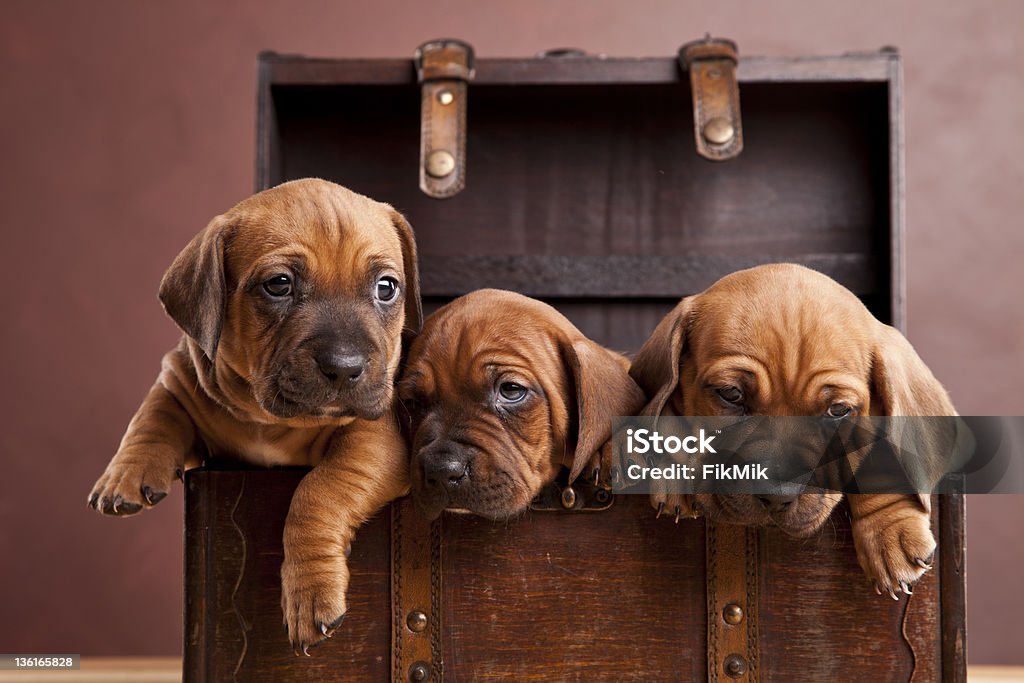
(299, 70)
(606, 596)
(234, 520)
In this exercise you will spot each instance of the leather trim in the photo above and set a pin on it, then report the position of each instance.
(443, 69)
(732, 561)
(711, 64)
(415, 587)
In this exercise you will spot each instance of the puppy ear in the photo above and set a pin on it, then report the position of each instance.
(901, 381)
(603, 390)
(193, 290)
(656, 366)
(902, 385)
(413, 305)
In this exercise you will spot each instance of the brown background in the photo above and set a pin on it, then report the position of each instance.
(124, 126)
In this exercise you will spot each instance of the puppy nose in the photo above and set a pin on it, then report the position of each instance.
(341, 368)
(446, 471)
(776, 503)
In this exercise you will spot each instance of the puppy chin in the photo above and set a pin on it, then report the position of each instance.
(367, 406)
(808, 515)
(488, 503)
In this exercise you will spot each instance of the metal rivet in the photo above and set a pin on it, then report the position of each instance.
(735, 666)
(420, 671)
(440, 163)
(416, 621)
(445, 97)
(718, 131)
(568, 498)
(733, 614)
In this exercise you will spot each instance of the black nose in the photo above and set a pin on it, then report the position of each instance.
(776, 503)
(340, 367)
(445, 470)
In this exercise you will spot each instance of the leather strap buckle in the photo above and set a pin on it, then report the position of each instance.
(443, 69)
(717, 126)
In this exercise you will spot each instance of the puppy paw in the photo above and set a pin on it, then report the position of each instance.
(313, 600)
(600, 469)
(126, 487)
(894, 552)
(674, 506)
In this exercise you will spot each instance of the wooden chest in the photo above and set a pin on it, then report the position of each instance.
(583, 187)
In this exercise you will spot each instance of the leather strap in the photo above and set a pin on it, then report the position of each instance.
(415, 595)
(716, 97)
(443, 68)
(732, 559)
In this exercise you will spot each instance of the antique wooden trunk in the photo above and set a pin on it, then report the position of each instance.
(587, 184)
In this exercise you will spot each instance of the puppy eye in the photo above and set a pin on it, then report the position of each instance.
(386, 289)
(510, 392)
(279, 285)
(730, 394)
(839, 410)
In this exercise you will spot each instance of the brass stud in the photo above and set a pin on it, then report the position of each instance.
(418, 672)
(445, 97)
(568, 498)
(440, 164)
(416, 621)
(718, 131)
(733, 614)
(735, 666)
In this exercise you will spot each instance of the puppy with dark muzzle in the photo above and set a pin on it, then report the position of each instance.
(294, 304)
(501, 391)
(785, 340)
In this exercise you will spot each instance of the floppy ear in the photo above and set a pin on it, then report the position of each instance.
(603, 390)
(193, 288)
(902, 385)
(656, 366)
(413, 305)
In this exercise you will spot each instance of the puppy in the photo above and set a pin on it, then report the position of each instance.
(501, 391)
(785, 340)
(293, 305)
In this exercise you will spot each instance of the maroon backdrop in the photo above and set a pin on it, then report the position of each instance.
(127, 125)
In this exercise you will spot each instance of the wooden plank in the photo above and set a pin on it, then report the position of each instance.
(612, 277)
(297, 70)
(897, 200)
(953, 578)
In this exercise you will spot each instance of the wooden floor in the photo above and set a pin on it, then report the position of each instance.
(168, 670)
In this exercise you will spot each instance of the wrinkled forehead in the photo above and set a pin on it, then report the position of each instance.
(787, 334)
(469, 344)
(328, 226)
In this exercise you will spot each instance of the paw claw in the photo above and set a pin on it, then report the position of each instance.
(906, 588)
(93, 500)
(661, 509)
(679, 511)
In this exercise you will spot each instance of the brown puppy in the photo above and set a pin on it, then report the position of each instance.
(501, 391)
(785, 340)
(293, 305)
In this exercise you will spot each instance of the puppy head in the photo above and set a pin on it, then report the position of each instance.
(295, 301)
(782, 340)
(501, 390)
